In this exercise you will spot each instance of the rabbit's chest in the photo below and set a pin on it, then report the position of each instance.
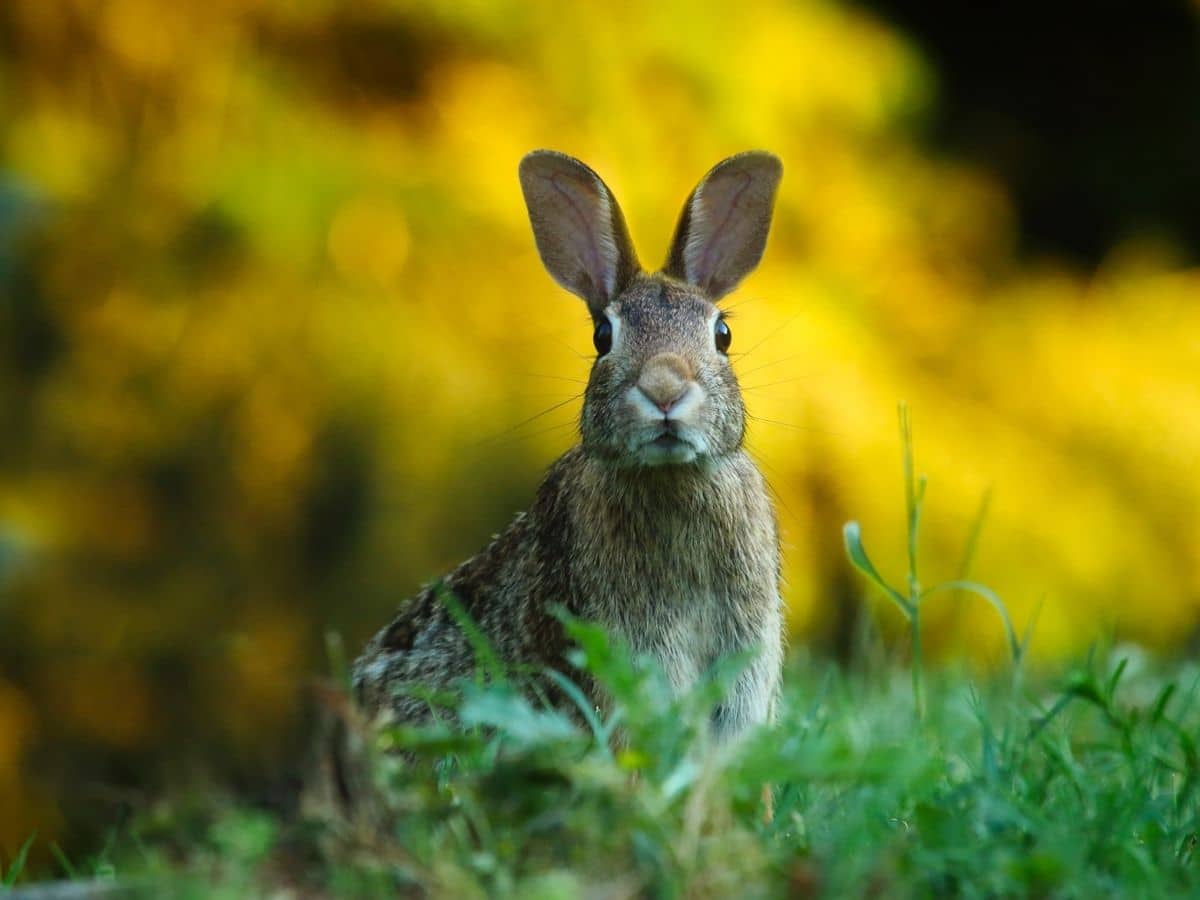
(685, 592)
(682, 564)
(689, 631)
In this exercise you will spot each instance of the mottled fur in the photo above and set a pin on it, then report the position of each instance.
(657, 525)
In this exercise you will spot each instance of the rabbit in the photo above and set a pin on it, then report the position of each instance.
(657, 525)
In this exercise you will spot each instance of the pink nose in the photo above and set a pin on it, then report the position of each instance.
(664, 380)
(666, 405)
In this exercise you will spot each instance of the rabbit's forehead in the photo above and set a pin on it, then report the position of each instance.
(658, 306)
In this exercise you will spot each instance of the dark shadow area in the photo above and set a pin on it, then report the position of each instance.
(1089, 112)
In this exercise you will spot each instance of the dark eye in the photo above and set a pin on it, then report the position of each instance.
(602, 336)
(722, 335)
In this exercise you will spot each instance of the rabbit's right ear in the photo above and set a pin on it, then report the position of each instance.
(722, 231)
(579, 230)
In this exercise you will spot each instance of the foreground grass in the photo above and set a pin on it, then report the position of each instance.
(1079, 786)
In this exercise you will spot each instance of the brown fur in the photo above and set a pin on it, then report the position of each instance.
(657, 525)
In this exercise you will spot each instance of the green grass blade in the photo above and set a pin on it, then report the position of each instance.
(485, 656)
(914, 495)
(1160, 702)
(585, 707)
(852, 534)
(18, 864)
(63, 861)
(971, 547)
(1110, 689)
(1014, 645)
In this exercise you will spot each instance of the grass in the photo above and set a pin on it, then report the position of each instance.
(1082, 786)
(887, 782)
(9, 876)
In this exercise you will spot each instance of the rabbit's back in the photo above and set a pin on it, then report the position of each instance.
(507, 591)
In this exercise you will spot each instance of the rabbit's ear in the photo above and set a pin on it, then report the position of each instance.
(723, 228)
(579, 229)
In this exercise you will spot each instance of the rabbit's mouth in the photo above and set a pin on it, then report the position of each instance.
(668, 447)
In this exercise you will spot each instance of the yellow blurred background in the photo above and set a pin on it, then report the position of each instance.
(276, 340)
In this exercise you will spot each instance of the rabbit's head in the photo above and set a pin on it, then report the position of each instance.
(661, 391)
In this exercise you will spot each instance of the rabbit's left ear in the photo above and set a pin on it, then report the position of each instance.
(722, 230)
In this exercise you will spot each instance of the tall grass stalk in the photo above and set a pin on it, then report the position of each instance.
(910, 600)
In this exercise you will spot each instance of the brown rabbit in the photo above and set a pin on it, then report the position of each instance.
(657, 525)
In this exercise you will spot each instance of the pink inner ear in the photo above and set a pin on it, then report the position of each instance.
(581, 236)
(587, 229)
(715, 232)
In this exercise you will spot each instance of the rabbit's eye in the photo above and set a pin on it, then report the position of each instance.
(602, 337)
(722, 335)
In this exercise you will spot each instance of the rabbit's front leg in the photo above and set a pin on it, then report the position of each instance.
(751, 700)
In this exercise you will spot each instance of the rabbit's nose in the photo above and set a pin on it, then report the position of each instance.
(665, 379)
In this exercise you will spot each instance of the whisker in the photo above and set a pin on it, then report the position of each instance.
(768, 365)
(518, 438)
(588, 356)
(772, 334)
(759, 387)
(552, 377)
(742, 302)
(525, 422)
(544, 395)
(808, 429)
(779, 499)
